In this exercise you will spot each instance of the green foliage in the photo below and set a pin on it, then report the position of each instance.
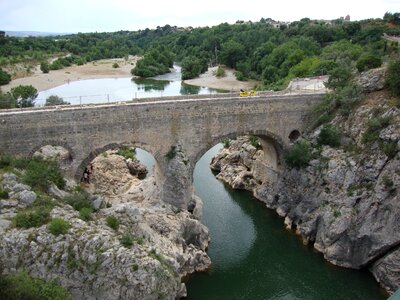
(115, 65)
(375, 125)
(156, 61)
(35, 217)
(7, 101)
(79, 200)
(299, 155)
(127, 153)
(255, 142)
(4, 77)
(24, 95)
(21, 286)
(226, 142)
(127, 240)
(55, 100)
(171, 153)
(390, 149)
(3, 194)
(59, 226)
(85, 213)
(240, 76)
(329, 135)
(44, 67)
(112, 222)
(387, 181)
(41, 173)
(393, 77)
(368, 61)
(193, 67)
(220, 72)
(339, 77)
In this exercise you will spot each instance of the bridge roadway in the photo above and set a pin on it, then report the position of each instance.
(190, 124)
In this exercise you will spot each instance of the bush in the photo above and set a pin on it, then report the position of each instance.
(240, 76)
(79, 200)
(329, 135)
(59, 226)
(24, 95)
(375, 125)
(115, 65)
(32, 218)
(127, 153)
(127, 240)
(220, 72)
(393, 77)
(41, 173)
(45, 67)
(226, 142)
(390, 149)
(255, 142)
(3, 194)
(55, 100)
(299, 156)
(367, 62)
(85, 213)
(4, 77)
(112, 222)
(171, 153)
(21, 286)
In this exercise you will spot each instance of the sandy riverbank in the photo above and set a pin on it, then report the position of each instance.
(94, 70)
(104, 69)
(228, 82)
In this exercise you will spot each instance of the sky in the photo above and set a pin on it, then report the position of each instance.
(72, 16)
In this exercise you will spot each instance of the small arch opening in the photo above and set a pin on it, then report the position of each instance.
(294, 135)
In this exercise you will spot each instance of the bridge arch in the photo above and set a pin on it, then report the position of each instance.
(83, 163)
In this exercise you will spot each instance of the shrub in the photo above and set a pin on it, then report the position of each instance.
(112, 222)
(25, 95)
(4, 77)
(299, 155)
(22, 286)
(41, 173)
(329, 135)
(32, 218)
(393, 77)
(255, 142)
(367, 62)
(375, 125)
(127, 153)
(79, 200)
(85, 213)
(220, 72)
(115, 65)
(3, 194)
(55, 100)
(226, 142)
(390, 149)
(171, 153)
(387, 181)
(127, 240)
(240, 76)
(45, 67)
(59, 226)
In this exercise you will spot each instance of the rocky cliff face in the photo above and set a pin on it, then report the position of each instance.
(145, 257)
(346, 201)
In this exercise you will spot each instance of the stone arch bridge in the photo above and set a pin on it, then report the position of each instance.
(165, 125)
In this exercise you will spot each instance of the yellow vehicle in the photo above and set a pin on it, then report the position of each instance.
(247, 93)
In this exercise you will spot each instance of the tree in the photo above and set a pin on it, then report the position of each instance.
(231, 53)
(6, 101)
(367, 62)
(55, 100)
(192, 67)
(4, 77)
(393, 77)
(45, 67)
(24, 95)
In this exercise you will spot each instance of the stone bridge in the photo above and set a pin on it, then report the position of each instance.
(187, 127)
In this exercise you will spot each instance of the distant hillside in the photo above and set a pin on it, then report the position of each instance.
(32, 33)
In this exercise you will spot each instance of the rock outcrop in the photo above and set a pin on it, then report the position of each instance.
(145, 256)
(346, 201)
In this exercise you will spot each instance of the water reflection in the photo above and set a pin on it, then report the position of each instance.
(150, 84)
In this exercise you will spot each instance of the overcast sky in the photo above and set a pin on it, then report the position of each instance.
(113, 15)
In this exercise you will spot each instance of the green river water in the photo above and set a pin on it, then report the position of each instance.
(255, 257)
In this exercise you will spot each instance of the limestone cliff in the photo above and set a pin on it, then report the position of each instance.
(144, 256)
(346, 201)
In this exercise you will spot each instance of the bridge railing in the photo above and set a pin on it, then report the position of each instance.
(105, 100)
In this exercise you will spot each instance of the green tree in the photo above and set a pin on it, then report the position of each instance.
(55, 100)
(7, 101)
(44, 67)
(24, 95)
(231, 53)
(4, 77)
(193, 67)
(368, 61)
(299, 155)
(393, 77)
